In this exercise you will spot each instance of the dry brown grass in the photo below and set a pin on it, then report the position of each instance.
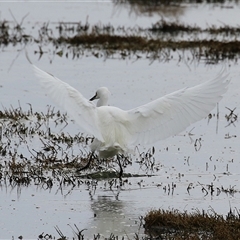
(172, 224)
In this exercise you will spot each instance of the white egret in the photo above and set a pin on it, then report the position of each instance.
(117, 131)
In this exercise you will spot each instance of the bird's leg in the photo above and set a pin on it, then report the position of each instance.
(120, 166)
(88, 164)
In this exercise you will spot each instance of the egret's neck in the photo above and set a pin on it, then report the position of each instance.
(103, 101)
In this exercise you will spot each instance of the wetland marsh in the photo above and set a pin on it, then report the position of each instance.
(140, 55)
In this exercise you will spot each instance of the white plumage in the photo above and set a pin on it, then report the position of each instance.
(118, 131)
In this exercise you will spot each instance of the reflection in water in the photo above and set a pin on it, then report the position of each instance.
(142, 8)
(111, 217)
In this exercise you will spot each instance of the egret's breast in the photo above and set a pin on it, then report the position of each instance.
(112, 124)
(106, 151)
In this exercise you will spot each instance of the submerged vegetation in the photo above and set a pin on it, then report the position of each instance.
(32, 153)
(163, 41)
(36, 148)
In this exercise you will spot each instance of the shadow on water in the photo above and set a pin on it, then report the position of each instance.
(149, 8)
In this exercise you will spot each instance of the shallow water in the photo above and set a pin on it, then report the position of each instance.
(184, 168)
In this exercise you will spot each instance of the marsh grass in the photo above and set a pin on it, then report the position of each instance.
(53, 162)
(162, 41)
(36, 149)
(173, 224)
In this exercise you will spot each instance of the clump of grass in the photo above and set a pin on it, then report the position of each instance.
(173, 224)
(167, 2)
(173, 28)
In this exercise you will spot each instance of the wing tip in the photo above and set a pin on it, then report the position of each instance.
(27, 57)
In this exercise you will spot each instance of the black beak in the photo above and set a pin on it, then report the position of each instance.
(94, 97)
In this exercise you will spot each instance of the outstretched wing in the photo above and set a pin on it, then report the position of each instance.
(174, 112)
(79, 108)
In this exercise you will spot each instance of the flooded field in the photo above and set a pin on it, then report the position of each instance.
(140, 52)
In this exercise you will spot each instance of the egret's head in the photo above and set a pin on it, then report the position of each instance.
(102, 94)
